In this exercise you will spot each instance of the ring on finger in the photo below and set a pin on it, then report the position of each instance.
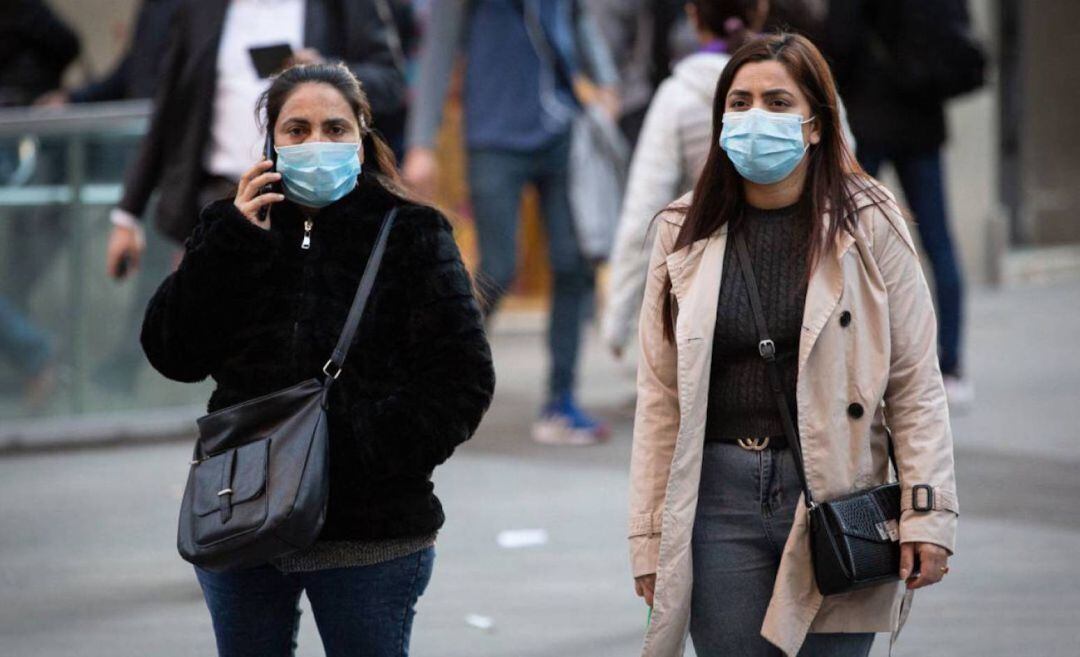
(944, 570)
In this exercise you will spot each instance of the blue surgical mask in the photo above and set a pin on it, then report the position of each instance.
(318, 173)
(765, 147)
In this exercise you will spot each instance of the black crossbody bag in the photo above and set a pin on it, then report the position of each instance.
(855, 539)
(259, 482)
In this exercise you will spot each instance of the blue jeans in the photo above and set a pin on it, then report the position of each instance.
(922, 179)
(26, 345)
(496, 181)
(746, 505)
(367, 610)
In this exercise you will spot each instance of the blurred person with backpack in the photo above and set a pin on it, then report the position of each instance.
(898, 62)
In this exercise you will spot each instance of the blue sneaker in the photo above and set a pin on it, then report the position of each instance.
(562, 422)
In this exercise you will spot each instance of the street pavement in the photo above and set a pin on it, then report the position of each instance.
(88, 566)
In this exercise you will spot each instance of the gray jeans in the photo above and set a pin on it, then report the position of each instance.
(746, 505)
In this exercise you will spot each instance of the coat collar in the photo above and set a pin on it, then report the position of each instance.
(696, 273)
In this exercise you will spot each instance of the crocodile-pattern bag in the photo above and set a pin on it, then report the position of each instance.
(854, 539)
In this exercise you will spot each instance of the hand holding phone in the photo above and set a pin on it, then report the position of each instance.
(259, 188)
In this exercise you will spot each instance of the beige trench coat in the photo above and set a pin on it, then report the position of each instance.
(885, 359)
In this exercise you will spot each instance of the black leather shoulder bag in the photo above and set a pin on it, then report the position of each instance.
(855, 539)
(258, 482)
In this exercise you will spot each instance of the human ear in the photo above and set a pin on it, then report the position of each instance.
(814, 137)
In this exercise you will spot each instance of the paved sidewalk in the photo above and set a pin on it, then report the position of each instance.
(87, 564)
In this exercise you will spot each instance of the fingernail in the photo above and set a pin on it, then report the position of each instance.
(903, 573)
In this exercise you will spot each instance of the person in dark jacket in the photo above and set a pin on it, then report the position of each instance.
(258, 304)
(36, 47)
(196, 145)
(905, 127)
(137, 73)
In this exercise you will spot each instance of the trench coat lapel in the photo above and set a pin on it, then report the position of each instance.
(822, 294)
(695, 272)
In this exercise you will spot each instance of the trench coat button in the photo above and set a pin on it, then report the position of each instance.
(845, 318)
(855, 410)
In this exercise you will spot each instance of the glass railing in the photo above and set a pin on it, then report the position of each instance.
(69, 334)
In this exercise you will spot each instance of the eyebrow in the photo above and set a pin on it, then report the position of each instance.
(771, 92)
(328, 122)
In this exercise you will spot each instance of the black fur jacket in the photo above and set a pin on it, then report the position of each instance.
(253, 310)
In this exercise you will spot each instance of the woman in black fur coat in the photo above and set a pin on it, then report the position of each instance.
(258, 303)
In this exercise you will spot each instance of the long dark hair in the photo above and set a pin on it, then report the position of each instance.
(379, 161)
(831, 167)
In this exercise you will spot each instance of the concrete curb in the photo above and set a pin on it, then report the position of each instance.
(115, 429)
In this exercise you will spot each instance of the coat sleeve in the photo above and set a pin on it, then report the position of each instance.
(656, 418)
(144, 172)
(916, 411)
(190, 318)
(448, 378)
(655, 173)
(442, 37)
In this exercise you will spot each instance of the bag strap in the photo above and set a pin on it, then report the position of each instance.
(363, 291)
(767, 349)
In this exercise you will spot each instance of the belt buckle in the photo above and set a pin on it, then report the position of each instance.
(754, 444)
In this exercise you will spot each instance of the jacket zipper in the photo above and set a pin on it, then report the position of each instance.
(306, 243)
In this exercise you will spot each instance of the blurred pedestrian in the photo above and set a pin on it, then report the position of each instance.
(526, 70)
(418, 379)
(36, 47)
(135, 76)
(627, 27)
(675, 142)
(140, 67)
(30, 350)
(897, 63)
(719, 539)
(200, 139)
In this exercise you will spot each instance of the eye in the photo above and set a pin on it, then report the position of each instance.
(779, 103)
(295, 131)
(737, 104)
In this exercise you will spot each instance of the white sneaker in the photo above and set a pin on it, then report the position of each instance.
(959, 392)
(563, 423)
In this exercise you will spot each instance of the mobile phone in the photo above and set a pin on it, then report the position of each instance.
(268, 60)
(272, 188)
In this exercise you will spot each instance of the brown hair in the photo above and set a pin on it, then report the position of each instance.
(380, 162)
(718, 197)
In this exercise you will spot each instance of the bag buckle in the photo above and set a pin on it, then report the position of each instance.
(753, 444)
(326, 369)
(767, 349)
(922, 508)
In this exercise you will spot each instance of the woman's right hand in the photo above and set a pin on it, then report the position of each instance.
(248, 199)
(644, 586)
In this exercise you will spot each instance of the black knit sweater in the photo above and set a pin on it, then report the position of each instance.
(253, 310)
(741, 404)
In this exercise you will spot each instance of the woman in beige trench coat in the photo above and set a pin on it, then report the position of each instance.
(718, 536)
